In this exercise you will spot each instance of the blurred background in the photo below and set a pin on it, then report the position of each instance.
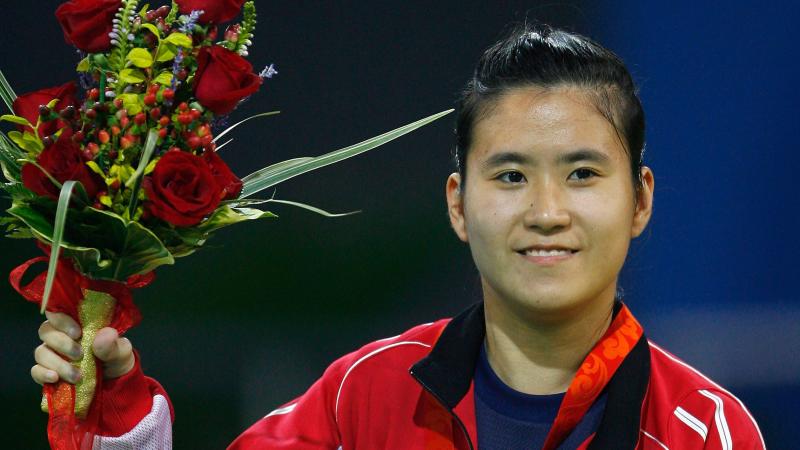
(253, 319)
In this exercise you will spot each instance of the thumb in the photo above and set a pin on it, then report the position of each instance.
(115, 352)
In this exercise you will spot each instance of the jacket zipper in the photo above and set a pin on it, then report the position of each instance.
(452, 413)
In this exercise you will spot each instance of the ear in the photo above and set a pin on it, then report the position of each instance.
(455, 205)
(644, 202)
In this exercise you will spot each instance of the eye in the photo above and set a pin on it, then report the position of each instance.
(582, 174)
(512, 177)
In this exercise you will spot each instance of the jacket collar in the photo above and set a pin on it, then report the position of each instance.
(447, 371)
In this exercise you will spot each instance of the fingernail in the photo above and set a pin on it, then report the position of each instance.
(76, 376)
(74, 333)
(51, 376)
(77, 354)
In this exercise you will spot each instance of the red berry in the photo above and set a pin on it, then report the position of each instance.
(163, 121)
(78, 136)
(162, 133)
(124, 122)
(155, 113)
(94, 93)
(140, 118)
(103, 137)
(194, 142)
(185, 118)
(124, 142)
(150, 99)
(92, 147)
(174, 149)
(91, 114)
(153, 88)
(182, 74)
(97, 205)
(87, 154)
(168, 94)
(115, 130)
(206, 140)
(195, 114)
(114, 184)
(183, 106)
(47, 141)
(118, 103)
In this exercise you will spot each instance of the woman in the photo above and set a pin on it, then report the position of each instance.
(550, 189)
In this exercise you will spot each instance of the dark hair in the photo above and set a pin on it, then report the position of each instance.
(539, 55)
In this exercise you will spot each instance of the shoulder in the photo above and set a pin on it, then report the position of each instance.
(686, 409)
(409, 346)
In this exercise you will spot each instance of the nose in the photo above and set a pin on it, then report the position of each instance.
(546, 210)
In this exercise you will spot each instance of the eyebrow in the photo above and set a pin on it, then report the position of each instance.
(572, 157)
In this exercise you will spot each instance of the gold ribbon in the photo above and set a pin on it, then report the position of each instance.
(95, 311)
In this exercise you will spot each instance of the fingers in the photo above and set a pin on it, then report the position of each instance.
(64, 323)
(50, 361)
(115, 352)
(42, 375)
(59, 341)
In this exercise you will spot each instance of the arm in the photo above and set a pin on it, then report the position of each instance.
(713, 419)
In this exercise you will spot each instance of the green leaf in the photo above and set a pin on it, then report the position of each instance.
(16, 119)
(179, 39)
(52, 103)
(104, 245)
(258, 182)
(83, 66)
(131, 76)
(230, 128)
(26, 141)
(275, 168)
(55, 244)
(140, 57)
(9, 154)
(132, 103)
(153, 29)
(164, 78)
(166, 52)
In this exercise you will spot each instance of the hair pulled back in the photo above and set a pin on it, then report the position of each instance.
(542, 56)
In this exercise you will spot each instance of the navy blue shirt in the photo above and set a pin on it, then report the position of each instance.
(512, 420)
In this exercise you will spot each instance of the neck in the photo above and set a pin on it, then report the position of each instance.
(542, 357)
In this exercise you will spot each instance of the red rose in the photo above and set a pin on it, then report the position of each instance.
(86, 23)
(181, 190)
(216, 11)
(63, 161)
(223, 78)
(27, 105)
(231, 184)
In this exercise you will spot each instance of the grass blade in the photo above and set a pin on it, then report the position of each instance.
(321, 212)
(270, 170)
(219, 147)
(256, 183)
(7, 93)
(135, 180)
(58, 236)
(230, 128)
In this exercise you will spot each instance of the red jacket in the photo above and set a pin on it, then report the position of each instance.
(414, 391)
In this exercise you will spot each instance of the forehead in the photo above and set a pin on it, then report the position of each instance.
(545, 123)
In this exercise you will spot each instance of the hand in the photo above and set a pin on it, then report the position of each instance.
(60, 335)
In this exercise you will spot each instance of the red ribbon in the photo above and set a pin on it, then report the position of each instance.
(594, 374)
(65, 431)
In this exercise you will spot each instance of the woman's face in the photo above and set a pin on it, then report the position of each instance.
(548, 204)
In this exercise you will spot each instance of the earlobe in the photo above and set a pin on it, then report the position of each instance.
(644, 203)
(455, 205)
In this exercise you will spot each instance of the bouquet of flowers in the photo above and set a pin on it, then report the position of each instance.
(120, 173)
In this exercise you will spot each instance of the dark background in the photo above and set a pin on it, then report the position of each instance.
(254, 318)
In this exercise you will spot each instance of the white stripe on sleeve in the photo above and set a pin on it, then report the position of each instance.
(719, 420)
(692, 422)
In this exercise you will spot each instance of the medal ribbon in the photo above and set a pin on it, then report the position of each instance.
(594, 374)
